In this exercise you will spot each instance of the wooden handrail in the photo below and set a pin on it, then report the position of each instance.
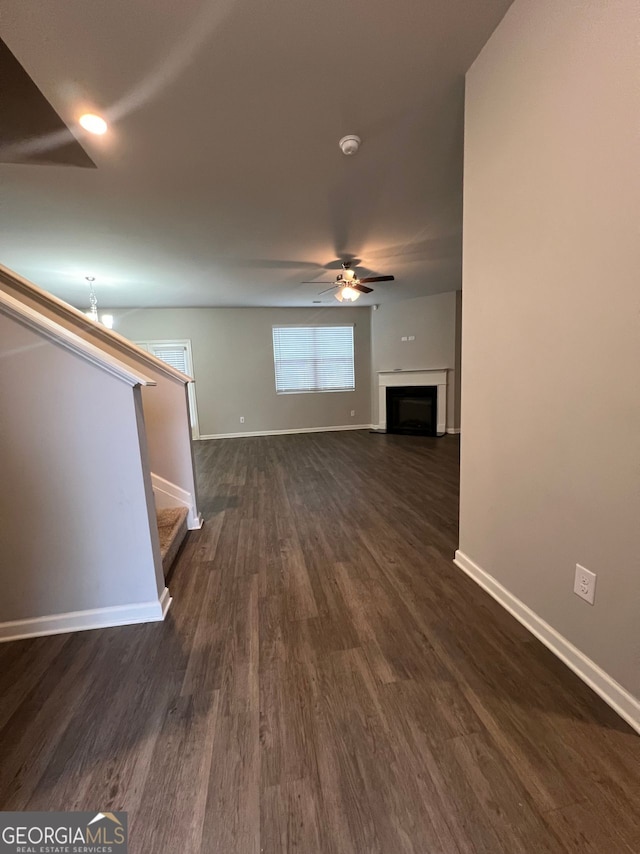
(28, 316)
(109, 336)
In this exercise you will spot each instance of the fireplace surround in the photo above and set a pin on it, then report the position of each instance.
(411, 378)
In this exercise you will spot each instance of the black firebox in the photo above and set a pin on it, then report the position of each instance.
(412, 410)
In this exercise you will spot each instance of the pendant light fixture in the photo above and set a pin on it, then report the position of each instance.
(93, 299)
(106, 319)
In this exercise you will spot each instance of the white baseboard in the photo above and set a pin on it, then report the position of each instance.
(80, 621)
(286, 432)
(165, 602)
(620, 700)
(455, 431)
(167, 495)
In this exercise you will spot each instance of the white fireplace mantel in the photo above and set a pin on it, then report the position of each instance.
(413, 378)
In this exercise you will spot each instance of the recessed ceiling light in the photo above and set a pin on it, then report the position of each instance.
(93, 124)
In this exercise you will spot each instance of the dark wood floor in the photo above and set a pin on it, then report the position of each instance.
(326, 681)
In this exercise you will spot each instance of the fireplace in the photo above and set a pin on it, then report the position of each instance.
(414, 378)
(412, 410)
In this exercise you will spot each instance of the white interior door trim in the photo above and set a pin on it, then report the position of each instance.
(191, 387)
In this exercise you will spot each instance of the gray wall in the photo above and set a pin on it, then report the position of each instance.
(74, 510)
(433, 322)
(551, 341)
(233, 365)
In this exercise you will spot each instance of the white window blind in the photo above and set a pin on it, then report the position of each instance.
(173, 354)
(313, 358)
(178, 355)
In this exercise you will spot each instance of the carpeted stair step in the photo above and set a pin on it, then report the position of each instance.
(172, 528)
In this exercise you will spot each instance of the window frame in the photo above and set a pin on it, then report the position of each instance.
(191, 387)
(351, 326)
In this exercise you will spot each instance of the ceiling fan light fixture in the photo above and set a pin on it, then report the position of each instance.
(348, 285)
(350, 294)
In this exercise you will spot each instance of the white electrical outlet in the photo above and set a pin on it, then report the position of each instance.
(412, 338)
(404, 338)
(585, 584)
(242, 419)
(353, 412)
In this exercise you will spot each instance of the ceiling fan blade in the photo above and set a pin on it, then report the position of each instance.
(328, 289)
(360, 287)
(378, 279)
(319, 282)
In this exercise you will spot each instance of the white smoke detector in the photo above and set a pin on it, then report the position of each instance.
(350, 144)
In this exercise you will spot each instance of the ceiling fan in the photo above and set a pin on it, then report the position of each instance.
(349, 286)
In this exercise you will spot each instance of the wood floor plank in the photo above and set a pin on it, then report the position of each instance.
(29, 739)
(587, 829)
(326, 682)
(165, 819)
(289, 818)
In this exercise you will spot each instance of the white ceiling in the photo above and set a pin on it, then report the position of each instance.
(221, 181)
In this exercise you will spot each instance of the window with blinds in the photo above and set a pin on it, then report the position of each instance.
(178, 355)
(313, 358)
(173, 354)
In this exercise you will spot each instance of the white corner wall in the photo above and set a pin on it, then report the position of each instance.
(551, 333)
(76, 546)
